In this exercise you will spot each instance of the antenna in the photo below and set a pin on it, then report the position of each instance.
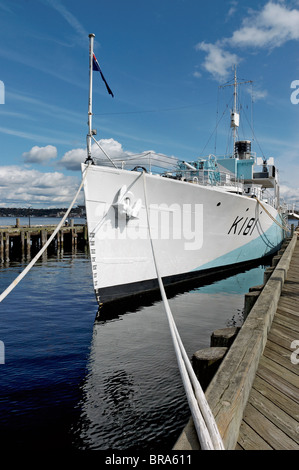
(235, 115)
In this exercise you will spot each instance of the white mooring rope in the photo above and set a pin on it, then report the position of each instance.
(205, 425)
(286, 228)
(33, 261)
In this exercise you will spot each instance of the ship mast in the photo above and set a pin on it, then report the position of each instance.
(235, 115)
(90, 131)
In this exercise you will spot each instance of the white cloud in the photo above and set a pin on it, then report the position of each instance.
(218, 61)
(232, 10)
(270, 27)
(73, 158)
(258, 94)
(273, 26)
(24, 186)
(40, 154)
(290, 195)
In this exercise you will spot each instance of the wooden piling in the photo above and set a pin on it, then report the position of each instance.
(1, 247)
(224, 337)
(256, 288)
(250, 299)
(61, 240)
(6, 246)
(268, 273)
(28, 244)
(275, 260)
(22, 243)
(205, 363)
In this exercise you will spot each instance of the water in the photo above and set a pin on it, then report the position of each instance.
(69, 382)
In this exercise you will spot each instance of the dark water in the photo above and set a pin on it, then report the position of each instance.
(69, 382)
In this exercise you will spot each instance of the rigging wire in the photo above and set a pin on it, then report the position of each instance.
(146, 111)
(215, 129)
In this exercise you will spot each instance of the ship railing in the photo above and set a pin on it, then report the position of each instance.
(152, 162)
(207, 178)
(165, 166)
(269, 198)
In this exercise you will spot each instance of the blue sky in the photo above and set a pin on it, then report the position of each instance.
(164, 61)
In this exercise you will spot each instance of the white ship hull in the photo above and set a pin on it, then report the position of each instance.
(195, 230)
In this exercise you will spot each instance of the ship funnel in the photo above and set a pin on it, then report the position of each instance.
(243, 149)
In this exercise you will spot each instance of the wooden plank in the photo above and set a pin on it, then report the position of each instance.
(287, 302)
(251, 440)
(291, 296)
(288, 376)
(279, 383)
(290, 286)
(277, 439)
(238, 447)
(272, 393)
(286, 336)
(287, 322)
(281, 356)
(283, 421)
(287, 311)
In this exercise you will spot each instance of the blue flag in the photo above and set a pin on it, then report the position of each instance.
(96, 67)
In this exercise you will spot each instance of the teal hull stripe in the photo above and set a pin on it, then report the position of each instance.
(265, 244)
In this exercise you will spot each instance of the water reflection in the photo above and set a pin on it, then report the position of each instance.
(132, 396)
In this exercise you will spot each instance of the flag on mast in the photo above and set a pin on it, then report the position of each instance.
(96, 67)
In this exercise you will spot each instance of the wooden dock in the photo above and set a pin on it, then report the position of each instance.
(254, 395)
(271, 417)
(24, 241)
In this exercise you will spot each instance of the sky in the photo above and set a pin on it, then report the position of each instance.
(166, 62)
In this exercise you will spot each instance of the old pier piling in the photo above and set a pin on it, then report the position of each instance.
(24, 241)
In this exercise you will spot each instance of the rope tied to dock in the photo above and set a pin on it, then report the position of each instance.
(45, 246)
(204, 422)
(284, 227)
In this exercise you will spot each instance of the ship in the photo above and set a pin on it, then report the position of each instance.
(151, 215)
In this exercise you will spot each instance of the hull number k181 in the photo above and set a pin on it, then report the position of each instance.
(242, 226)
